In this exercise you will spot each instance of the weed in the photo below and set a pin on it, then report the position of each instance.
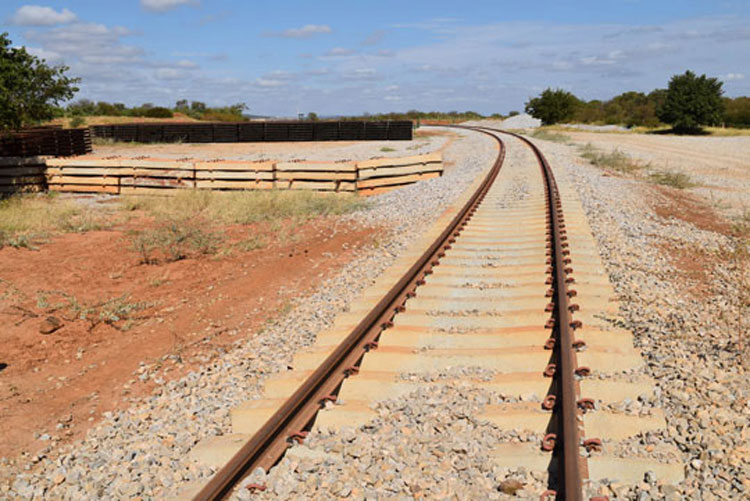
(678, 180)
(615, 160)
(387, 149)
(118, 312)
(546, 135)
(173, 240)
(253, 243)
(158, 281)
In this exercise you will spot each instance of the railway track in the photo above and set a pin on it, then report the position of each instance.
(510, 282)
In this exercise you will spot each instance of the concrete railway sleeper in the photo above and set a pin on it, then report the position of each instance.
(506, 284)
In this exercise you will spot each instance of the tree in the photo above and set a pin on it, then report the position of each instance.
(692, 102)
(30, 90)
(197, 106)
(553, 106)
(312, 117)
(181, 105)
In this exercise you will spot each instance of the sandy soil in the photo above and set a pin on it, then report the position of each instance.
(60, 384)
(720, 165)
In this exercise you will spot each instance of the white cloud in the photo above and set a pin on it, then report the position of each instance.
(269, 82)
(339, 52)
(733, 77)
(165, 5)
(169, 74)
(50, 56)
(306, 31)
(187, 64)
(37, 15)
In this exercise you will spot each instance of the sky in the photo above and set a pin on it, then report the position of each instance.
(353, 56)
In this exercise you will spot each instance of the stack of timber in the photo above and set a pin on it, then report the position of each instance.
(154, 176)
(320, 176)
(234, 175)
(83, 175)
(22, 174)
(385, 174)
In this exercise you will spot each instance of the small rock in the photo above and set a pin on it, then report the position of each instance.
(510, 486)
(50, 325)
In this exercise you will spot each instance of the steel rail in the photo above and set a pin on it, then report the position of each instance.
(297, 413)
(571, 487)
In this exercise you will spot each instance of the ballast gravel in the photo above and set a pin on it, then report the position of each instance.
(689, 341)
(142, 452)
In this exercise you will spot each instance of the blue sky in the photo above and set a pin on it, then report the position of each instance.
(354, 56)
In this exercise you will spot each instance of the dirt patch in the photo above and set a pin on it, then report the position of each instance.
(670, 203)
(189, 311)
(694, 266)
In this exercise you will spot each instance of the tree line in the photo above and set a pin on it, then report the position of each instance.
(193, 109)
(687, 104)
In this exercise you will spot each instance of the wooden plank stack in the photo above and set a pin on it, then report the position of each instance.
(149, 176)
(321, 176)
(234, 175)
(384, 174)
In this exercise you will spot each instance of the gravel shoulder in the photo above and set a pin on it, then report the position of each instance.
(143, 451)
(681, 278)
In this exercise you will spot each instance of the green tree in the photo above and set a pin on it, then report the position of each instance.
(553, 106)
(312, 117)
(692, 102)
(30, 90)
(737, 112)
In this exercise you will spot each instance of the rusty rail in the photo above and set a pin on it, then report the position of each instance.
(296, 415)
(567, 449)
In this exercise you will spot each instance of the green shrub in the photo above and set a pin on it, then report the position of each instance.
(553, 106)
(77, 121)
(158, 112)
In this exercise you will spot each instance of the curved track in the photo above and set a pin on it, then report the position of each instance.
(499, 274)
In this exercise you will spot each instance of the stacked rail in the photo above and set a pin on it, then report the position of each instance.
(22, 174)
(241, 132)
(149, 176)
(48, 141)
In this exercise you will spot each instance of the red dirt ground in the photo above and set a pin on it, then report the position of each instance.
(199, 306)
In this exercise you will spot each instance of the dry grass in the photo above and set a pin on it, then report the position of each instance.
(548, 135)
(615, 160)
(26, 220)
(173, 240)
(673, 179)
(244, 207)
(118, 312)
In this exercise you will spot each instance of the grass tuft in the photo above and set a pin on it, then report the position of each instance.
(678, 180)
(615, 160)
(174, 240)
(554, 137)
